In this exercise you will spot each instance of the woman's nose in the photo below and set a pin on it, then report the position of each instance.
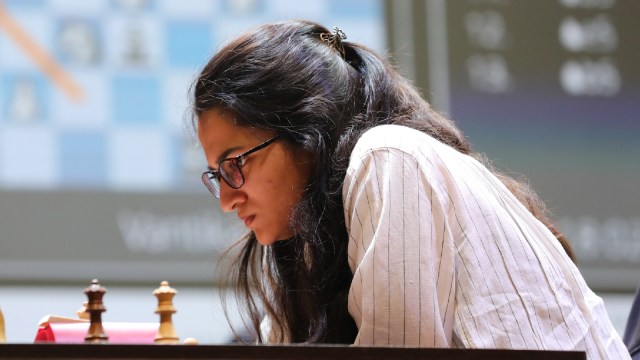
(230, 198)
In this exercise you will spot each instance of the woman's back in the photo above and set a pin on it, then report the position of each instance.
(444, 255)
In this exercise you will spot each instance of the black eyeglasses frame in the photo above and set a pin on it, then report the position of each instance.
(211, 178)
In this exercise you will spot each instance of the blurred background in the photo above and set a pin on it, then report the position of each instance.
(100, 170)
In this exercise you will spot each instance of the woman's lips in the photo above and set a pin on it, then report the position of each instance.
(248, 220)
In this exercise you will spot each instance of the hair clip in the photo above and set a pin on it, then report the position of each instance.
(334, 39)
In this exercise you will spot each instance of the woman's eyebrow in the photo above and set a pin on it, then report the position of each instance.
(226, 153)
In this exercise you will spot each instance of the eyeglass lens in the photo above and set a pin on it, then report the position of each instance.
(231, 173)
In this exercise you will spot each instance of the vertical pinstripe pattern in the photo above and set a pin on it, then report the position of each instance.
(444, 256)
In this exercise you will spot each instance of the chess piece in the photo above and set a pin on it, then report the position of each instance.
(190, 341)
(95, 308)
(82, 312)
(136, 53)
(24, 103)
(166, 332)
(77, 41)
(3, 338)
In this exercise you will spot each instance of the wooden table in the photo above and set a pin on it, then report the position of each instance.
(313, 352)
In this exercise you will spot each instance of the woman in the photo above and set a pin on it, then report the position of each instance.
(371, 221)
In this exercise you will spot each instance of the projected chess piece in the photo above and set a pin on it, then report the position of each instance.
(24, 101)
(166, 332)
(95, 308)
(77, 41)
(136, 53)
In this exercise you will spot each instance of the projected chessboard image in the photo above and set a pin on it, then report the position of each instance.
(94, 95)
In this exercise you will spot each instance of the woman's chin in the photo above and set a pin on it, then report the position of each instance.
(264, 239)
(268, 239)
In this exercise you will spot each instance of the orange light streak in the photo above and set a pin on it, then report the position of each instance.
(46, 63)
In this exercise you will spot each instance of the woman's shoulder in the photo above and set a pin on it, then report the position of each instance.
(398, 137)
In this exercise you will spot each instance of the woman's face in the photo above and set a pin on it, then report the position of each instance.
(275, 176)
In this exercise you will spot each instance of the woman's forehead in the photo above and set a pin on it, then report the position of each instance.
(218, 130)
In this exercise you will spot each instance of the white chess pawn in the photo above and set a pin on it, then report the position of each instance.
(166, 332)
(77, 40)
(24, 102)
(136, 53)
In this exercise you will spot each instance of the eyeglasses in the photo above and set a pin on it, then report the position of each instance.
(230, 170)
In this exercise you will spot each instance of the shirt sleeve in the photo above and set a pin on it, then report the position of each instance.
(400, 251)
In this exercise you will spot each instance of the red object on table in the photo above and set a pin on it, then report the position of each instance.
(119, 333)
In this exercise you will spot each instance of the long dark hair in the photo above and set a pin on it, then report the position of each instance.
(320, 98)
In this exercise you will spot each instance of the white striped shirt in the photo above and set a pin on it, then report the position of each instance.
(443, 255)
